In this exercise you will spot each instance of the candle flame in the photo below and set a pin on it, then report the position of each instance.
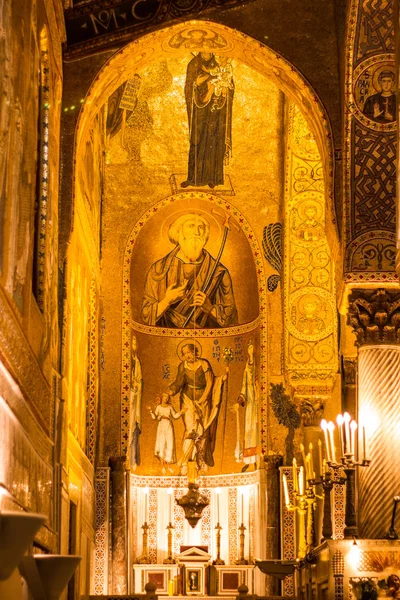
(324, 425)
(340, 420)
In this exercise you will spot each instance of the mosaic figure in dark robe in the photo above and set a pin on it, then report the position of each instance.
(187, 288)
(381, 107)
(209, 90)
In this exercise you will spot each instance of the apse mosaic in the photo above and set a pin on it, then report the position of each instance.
(193, 218)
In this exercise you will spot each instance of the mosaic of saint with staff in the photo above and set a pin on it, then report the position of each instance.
(189, 288)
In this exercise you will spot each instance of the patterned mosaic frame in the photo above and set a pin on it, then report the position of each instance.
(102, 531)
(127, 323)
(91, 407)
(288, 529)
(370, 41)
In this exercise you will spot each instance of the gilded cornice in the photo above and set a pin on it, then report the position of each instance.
(374, 316)
(22, 364)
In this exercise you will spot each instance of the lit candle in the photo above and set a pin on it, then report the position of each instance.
(364, 444)
(312, 474)
(285, 489)
(321, 467)
(324, 467)
(301, 481)
(303, 455)
(324, 427)
(308, 469)
(218, 491)
(353, 427)
(170, 492)
(146, 491)
(340, 421)
(347, 419)
(331, 427)
(295, 486)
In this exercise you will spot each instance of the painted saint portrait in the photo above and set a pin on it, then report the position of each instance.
(381, 106)
(209, 90)
(188, 287)
(309, 322)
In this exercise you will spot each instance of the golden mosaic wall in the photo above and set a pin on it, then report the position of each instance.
(310, 300)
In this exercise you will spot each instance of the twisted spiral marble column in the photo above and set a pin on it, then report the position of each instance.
(379, 409)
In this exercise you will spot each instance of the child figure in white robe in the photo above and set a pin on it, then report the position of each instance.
(165, 449)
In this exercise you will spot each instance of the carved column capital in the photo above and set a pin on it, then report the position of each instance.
(374, 316)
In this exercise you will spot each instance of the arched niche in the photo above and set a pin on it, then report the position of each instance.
(156, 361)
(178, 41)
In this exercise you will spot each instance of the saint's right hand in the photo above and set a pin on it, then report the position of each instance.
(175, 293)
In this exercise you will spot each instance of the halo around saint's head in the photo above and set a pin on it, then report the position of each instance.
(188, 342)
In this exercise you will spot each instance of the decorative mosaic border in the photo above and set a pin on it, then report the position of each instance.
(126, 299)
(91, 410)
(206, 535)
(233, 525)
(288, 529)
(339, 502)
(101, 538)
(153, 526)
(44, 173)
(359, 56)
(212, 481)
(231, 331)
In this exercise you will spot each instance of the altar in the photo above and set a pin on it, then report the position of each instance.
(201, 560)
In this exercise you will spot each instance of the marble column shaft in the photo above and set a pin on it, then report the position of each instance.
(374, 315)
(379, 408)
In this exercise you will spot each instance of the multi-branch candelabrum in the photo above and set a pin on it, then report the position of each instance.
(304, 502)
(170, 560)
(347, 462)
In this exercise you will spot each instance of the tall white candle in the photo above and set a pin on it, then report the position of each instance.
(146, 508)
(340, 421)
(353, 427)
(331, 427)
(242, 507)
(217, 491)
(347, 419)
(364, 444)
(324, 427)
(295, 486)
(301, 481)
(285, 489)
(312, 474)
(170, 492)
(321, 466)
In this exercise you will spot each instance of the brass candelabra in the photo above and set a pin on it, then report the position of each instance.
(144, 557)
(347, 461)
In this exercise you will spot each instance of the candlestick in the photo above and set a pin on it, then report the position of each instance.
(340, 421)
(347, 419)
(285, 489)
(143, 559)
(218, 560)
(308, 468)
(295, 486)
(170, 560)
(241, 560)
(324, 427)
